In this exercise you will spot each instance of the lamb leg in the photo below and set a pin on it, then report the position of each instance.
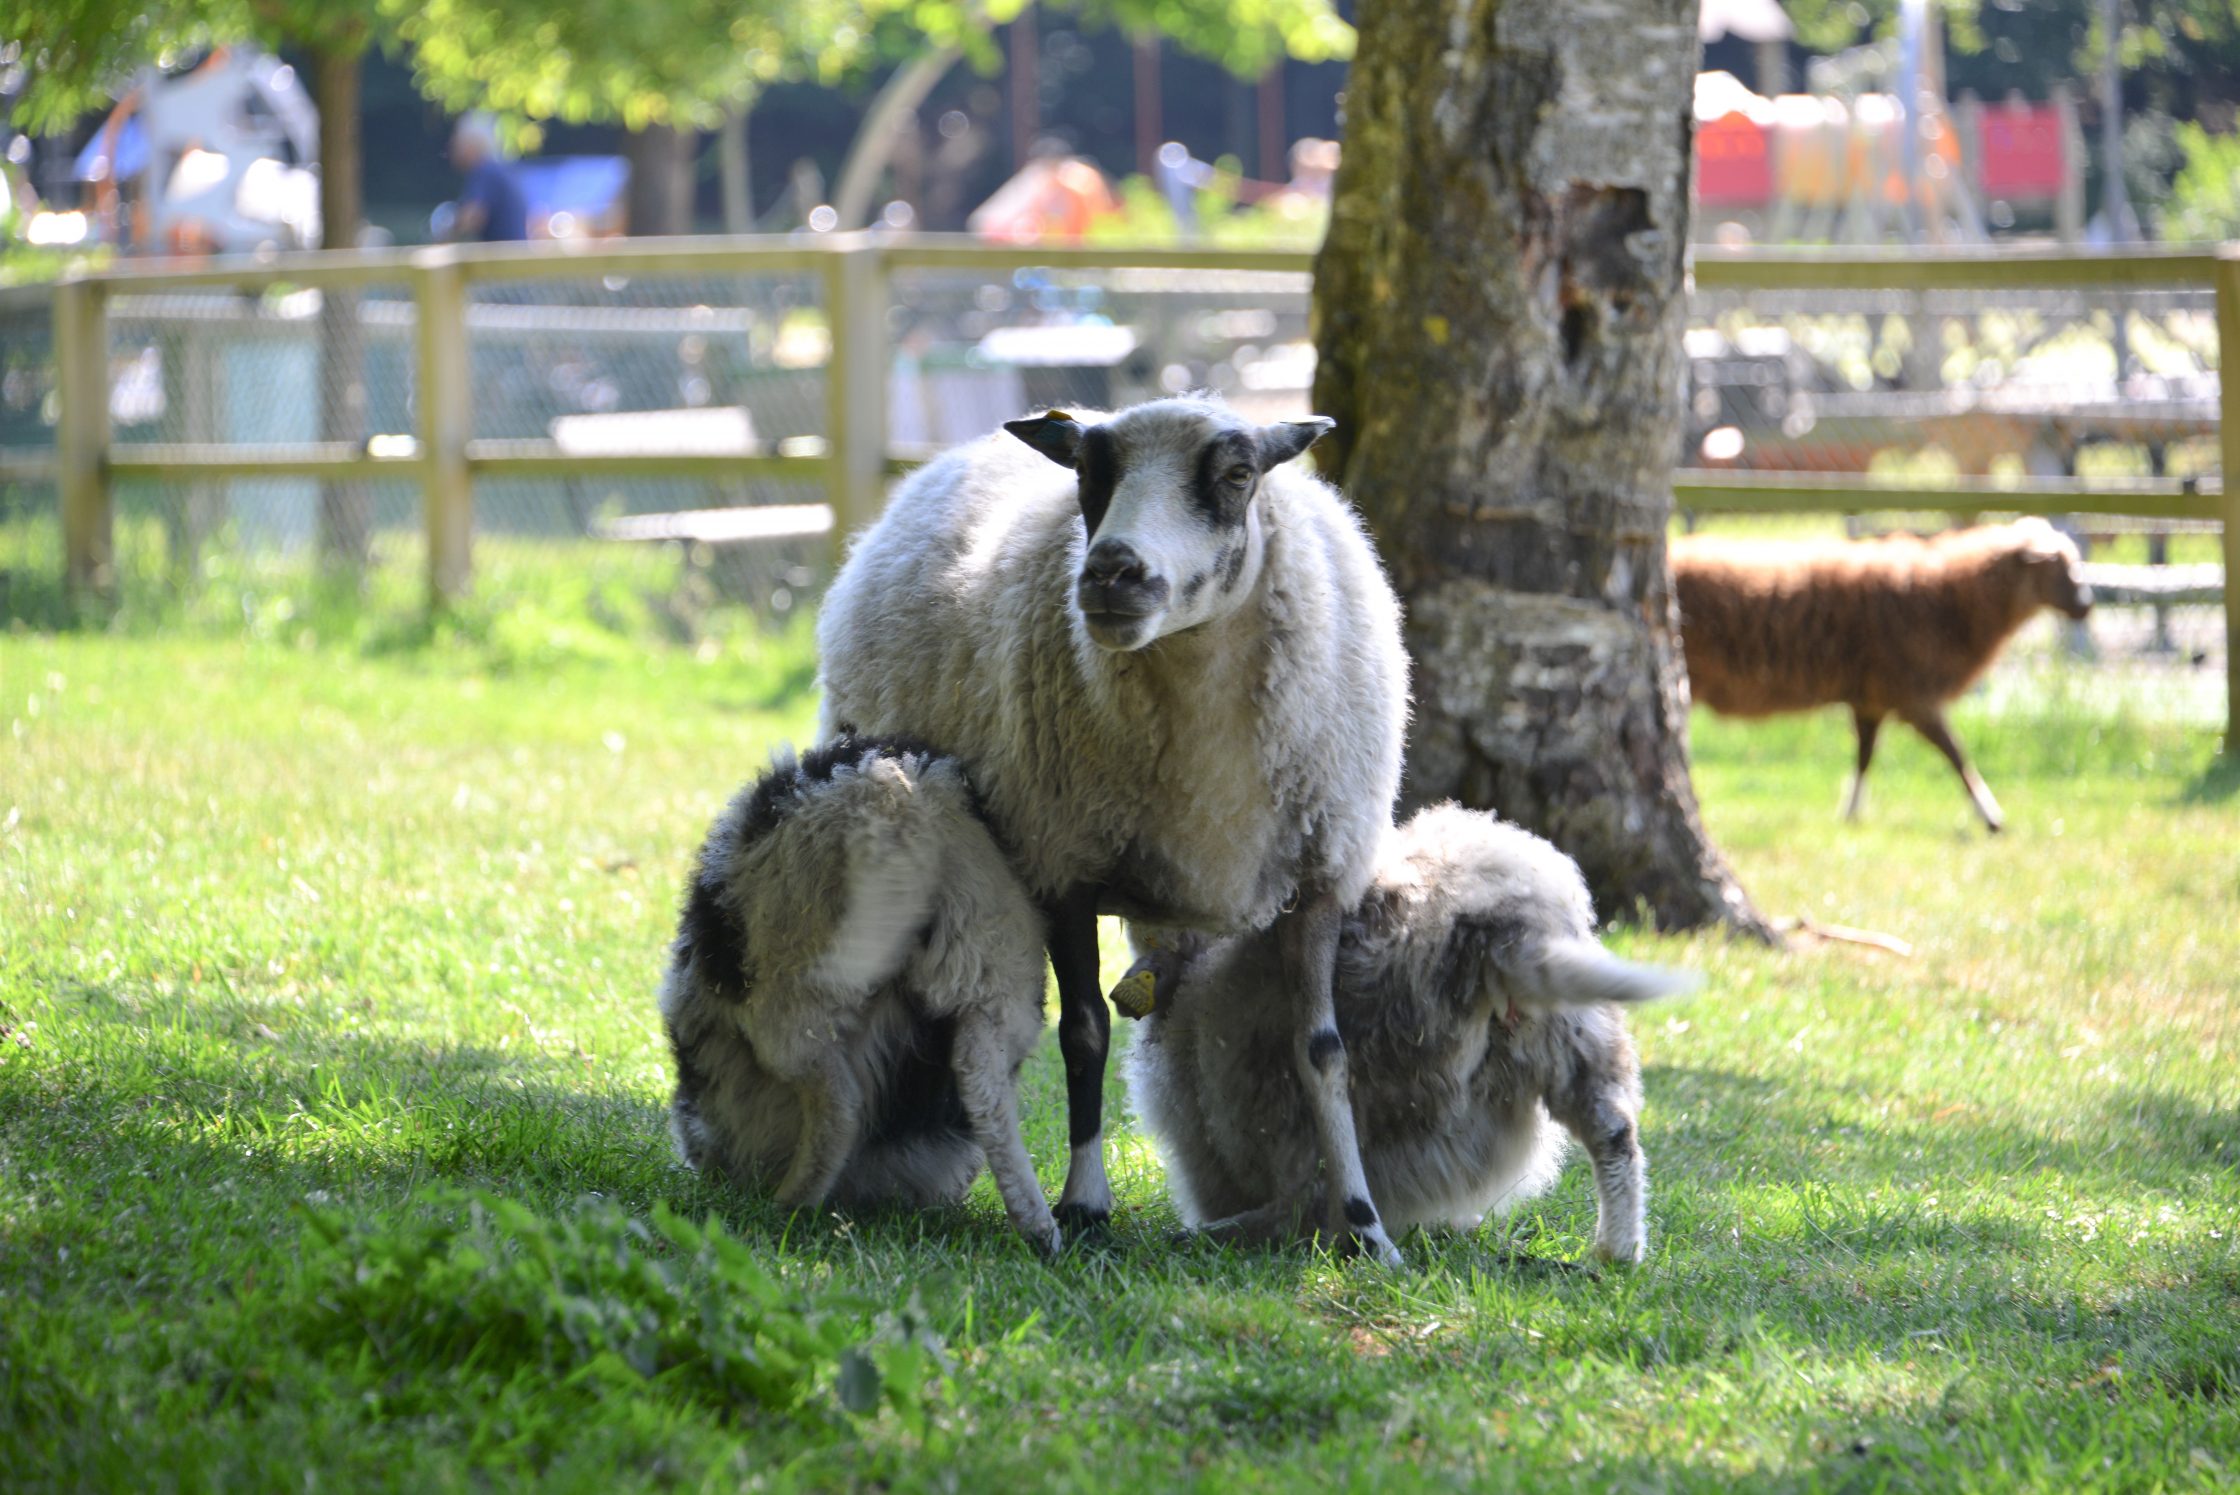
(1308, 937)
(1603, 1121)
(991, 1098)
(831, 1123)
(1930, 723)
(1868, 726)
(1084, 1036)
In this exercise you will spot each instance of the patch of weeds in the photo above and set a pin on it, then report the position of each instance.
(594, 1300)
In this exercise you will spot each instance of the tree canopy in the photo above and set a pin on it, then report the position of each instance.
(638, 62)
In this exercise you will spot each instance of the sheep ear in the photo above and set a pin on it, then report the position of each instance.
(1286, 439)
(1055, 434)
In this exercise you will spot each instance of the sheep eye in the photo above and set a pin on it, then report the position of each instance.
(1237, 476)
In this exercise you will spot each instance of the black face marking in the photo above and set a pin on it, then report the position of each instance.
(1192, 587)
(1325, 1048)
(1360, 1213)
(1219, 496)
(1098, 465)
(1231, 562)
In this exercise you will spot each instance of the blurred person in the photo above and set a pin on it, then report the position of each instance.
(492, 207)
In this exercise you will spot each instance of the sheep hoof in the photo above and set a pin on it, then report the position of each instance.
(1375, 1245)
(1077, 1220)
(1137, 994)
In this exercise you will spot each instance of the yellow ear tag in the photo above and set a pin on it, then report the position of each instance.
(1057, 415)
(1137, 994)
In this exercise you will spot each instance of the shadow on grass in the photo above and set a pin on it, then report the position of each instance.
(173, 1150)
(2216, 783)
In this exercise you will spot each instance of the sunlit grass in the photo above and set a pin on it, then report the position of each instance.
(304, 931)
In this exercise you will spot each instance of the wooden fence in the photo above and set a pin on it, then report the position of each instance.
(853, 462)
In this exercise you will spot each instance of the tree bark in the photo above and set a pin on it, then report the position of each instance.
(1498, 313)
(660, 193)
(345, 529)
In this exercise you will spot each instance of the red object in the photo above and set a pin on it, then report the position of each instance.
(1734, 162)
(2021, 151)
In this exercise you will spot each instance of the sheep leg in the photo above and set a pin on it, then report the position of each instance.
(1931, 724)
(1283, 1219)
(1084, 1036)
(1603, 1121)
(831, 1123)
(1868, 726)
(991, 1098)
(1308, 936)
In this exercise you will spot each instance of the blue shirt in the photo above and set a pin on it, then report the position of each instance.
(505, 210)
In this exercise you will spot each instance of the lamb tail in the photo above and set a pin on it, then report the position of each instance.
(1579, 973)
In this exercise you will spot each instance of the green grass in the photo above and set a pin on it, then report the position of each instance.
(326, 974)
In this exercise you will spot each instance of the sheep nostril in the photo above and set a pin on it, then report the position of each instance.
(1109, 561)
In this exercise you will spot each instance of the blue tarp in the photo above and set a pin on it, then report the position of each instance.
(587, 186)
(93, 163)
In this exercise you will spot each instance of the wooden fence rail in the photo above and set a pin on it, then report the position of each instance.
(854, 461)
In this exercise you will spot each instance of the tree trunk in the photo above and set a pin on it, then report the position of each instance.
(733, 175)
(1498, 312)
(892, 109)
(345, 507)
(660, 195)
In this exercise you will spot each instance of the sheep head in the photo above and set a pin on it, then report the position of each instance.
(1171, 502)
(2054, 566)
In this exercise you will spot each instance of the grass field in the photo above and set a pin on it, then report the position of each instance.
(331, 1151)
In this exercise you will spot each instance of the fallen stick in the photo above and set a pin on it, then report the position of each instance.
(1887, 943)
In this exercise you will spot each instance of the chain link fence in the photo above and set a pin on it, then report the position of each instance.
(30, 519)
(580, 381)
(2103, 390)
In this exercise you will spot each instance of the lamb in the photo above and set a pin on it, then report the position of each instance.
(1172, 665)
(1896, 626)
(856, 979)
(1476, 1003)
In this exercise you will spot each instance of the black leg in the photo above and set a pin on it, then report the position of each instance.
(1084, 1037)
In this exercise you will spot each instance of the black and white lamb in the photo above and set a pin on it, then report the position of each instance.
(1173, 667)
(856, 979)
(1476, 1003)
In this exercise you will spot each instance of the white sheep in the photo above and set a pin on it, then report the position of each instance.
(1173, 667)
(856, 979)
(1476, 1003)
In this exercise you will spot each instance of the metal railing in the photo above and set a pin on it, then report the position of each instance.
(853, 457)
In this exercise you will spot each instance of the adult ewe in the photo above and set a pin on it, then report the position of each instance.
(1172, 666)
(856, 978)
(1476, 1004)
(1896, 626)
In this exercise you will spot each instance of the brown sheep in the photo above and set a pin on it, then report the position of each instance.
(1896, 626)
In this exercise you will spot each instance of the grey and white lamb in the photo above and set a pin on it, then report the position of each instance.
(856, 979)
(1477, 1005)
(1173, 667)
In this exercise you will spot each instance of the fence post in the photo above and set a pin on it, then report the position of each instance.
(81, 353)
(855, 387)
(439, 292)
(2228, 439)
